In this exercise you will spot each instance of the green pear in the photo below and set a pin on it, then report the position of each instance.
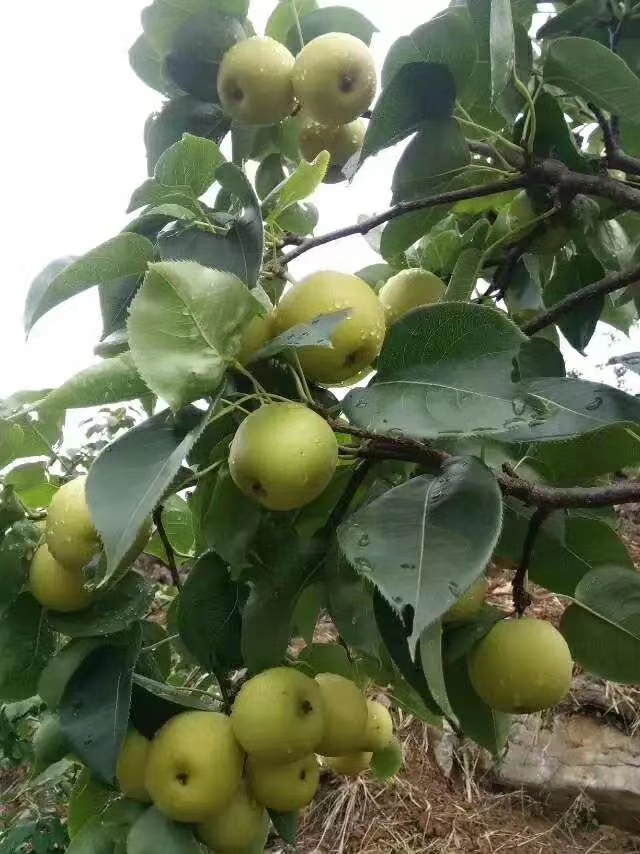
(378, 732)
(255, 81)
(356, 341)
(132, 767)
(334, 77)
(409, 289)
(351, 764)
(522, 665)
(194, 766)
(469, 604)
(283, 455)
(345, 715)
(50, 744)
(242, 825)
(254, 337)
(277, 715)
(341, 141)
(54, 586)
(284, 787)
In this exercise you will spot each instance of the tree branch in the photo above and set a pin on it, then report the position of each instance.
(612, 282)
(521, 596)
(171, 557)
(615, 156)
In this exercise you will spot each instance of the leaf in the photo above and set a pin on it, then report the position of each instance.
(459, 638)
(112, 611)
(124, 255)
(318, 333)
(464, 276)
(17, 548)
(333, 19)
(424, 541)
(296, 187)
(26, 643)
(179, 116)
(209, 615)
(95, 707)
(154, 832)
(239, 251)
(185, 329)
(431, 661)
(602, 628)
(585, 68)
(579, 324)
(502, 47)
(88, 799)
(282, 19)
(178, 525)
(285, 825)
(147, 62)
(61, 667)
(110, 381)
(602, 451)
(573, 20)
(307, 612)
(192, 162)
(94, 838)
(153, 703)
(325, 658)
(130, 477)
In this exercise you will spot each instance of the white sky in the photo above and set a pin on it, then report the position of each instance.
(71, 151)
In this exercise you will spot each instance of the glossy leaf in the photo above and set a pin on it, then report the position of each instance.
(431, 661)
(17, 548)
(332, 19)
(296, 187)
(578, 325)
(88, 799)
(110, 381)
(179, 116)
(192, 162)
(318, 333)
(464, 276)
(154, 832)
(27, 644)
(282, 19)
(61, 667)
(178, 525)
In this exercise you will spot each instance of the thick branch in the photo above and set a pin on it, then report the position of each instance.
(612, 282)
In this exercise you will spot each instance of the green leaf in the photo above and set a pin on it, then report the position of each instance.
(602, 628)
(282, 19)
(447, 39)
(11, 436)
(553, 136)
(298, 186)
(148, 64)
(110, 381)
(95, 707)
(153, 193)
(580, 460)
(180, 116)
(61, 667)
(286, 825)
(318, 333)
(464, 276)
(130, 477)
(94, 838)
(154, 832)
(124, 255)
(579, 324)
(153, 703)
(27, 643)
(332, 19)
(192, 162)
(209, 615)
(88, 799)
(17, 548)
(424, 541)
(350, 603)
(585, 68)
(178, 526)
(112, 611)
(307, 612)
(418, 92)
(502, 45)
(460, 638)
(431, 661)
(325, 658)
(185, 329)
(573, 20)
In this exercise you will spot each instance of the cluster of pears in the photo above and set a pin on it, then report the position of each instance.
(522, 665)
(333, 80)
(57, 579)
(222, 773)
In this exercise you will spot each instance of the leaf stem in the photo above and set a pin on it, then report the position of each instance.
(171, 558)
(521, 596)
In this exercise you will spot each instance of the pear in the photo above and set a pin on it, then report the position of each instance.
(469, 604)
(54, 586)
(378, 733)
(132, 767)
(242, 825)
(345, 715)
(284, 787)
(351, 764)
(341, 141)
(409, 289)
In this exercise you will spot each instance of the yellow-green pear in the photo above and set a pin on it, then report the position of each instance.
(334, 77)
(284, 787)
(356, 341)
(242, 825)
(194, 766)
(522, 665)
(254, 337)
(255, 81)
(351, 764)
(378, 733)
(132, 767)
(341, 141)
(409, 289)
(469, 604)
(345, 715)
(283, 455)
(277, 715)
(54, 586)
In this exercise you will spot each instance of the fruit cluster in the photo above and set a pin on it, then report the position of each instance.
(57, 577)
(222, 773)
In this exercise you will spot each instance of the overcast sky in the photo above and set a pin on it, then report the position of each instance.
(72, 151)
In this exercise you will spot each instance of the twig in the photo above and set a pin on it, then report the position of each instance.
(521, 596)
(612, 282)
(171, 558)
(615, 156)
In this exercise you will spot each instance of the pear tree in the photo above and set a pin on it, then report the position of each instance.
(359, 447)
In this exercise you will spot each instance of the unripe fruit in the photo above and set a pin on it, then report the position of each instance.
(334, 77)
(351, 764)
(409, 289)
(521, 666)
(132, 767)
(255, 81)
(341, 141)
(278, 715)
(242, 825)
(54, 586)
(345, 715)
(469, 604)
(283, 455)
(254, 337)
(378, 733)
(285, 787)
(194, 766)
(71, 535)
(357, 341)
